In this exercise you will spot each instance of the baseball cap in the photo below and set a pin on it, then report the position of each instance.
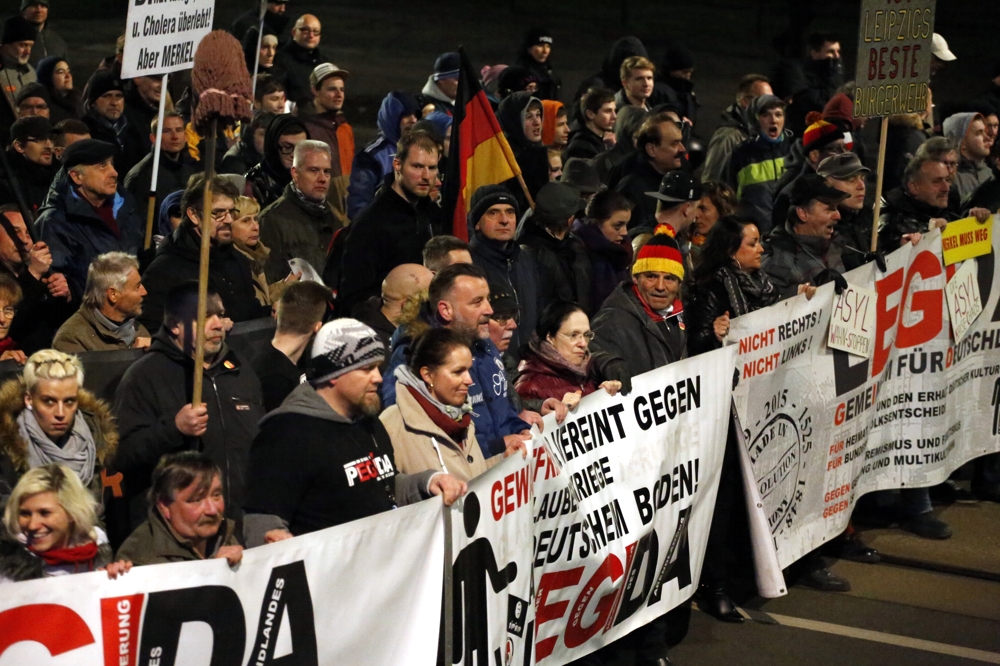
(939, 47)
(677, 187)
(324, 70)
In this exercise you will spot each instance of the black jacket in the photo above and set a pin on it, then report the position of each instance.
(390, 231)
(241, 157)
(678, 93)
(584, 143)
(623, 329)
(638, 180)
(39, 315)
(177, 259)
(563, 266)
(277, 374)
(369, 312)
(148, 398)
(298, 64)
(268, 178)
(505, 264)
(531, 157)
(706, 301)
(853, 234)
(313, 468)
(33, 181)
(902, 214)
(173, 176)
(609, 262)
(132, 143)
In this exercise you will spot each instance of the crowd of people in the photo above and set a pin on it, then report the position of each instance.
(406, 361)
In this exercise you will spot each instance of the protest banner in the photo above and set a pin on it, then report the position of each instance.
(823, 427)
(368, 592)
(623, 500)
(965, 239)
(493, 611)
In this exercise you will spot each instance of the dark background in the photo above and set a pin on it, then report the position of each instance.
(392, 45)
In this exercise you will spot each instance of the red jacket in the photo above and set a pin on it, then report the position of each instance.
(540, 378)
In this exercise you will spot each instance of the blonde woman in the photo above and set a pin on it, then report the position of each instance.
(51, 529)
(246, 237)
(46, 417)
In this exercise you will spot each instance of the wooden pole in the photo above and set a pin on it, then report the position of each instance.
(527, 195)
(151, 211)
(878, 181)
(206, 240)
(260, 39)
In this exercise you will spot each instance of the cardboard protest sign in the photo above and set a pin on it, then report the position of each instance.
(965, 239)
(964, 301)
(852, 322)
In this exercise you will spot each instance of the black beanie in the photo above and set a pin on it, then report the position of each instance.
(678, 57)
(486, 196)
(18, 29)
(103, 81)
(33, 89)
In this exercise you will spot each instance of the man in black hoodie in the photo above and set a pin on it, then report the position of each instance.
(153, 403)
(520, 118)
(395, 226)
(493, 215)
(177, 258)
(323, 458)
(268, 179)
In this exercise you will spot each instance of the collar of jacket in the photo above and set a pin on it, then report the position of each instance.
(735, 116)
(28, 171)
(533, 231)
(387, 190)
(432, 90)
(186, 242)
(302, 54)
(225, 360)
(95, 410)
(314, 209)
(416, 419)
(594, 240)
(501, 250)
(902, 200)
(79, 207)
(257, 255)
(624, 299)
(166, 541)
(816, 245)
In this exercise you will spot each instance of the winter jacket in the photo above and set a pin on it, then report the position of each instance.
(177, 259)
(506, 264)
(47, 43)
(14, 76)
(584, 143)
(640, 178)
(734, 130)
(298, 62)
(33, 181)
(156, 542)
(903, 138)
(820, 80)
(76, 235)
(609, 262)
(39, 314)
(853, 234)
(333, 129)
(628, 123)
(64, 106)
(132, 142)
(277, 374)
(541, 378)
(549, 82)
(147, 400)
(678, 93)
(312, 468)
(389, 232)
(266, 293)
(623, 329)
(84, 332)
(792, 259)
(970, 176)
(266, 181)
(494, 413)
(902, 214)
(531, 157)
(292, 230)
(986, 195)
(414, 435)
(173, 176)
(14, 450)
(374, 163)
(18, 564)
(563, 266)
(140, 115)
(706, 301)
(754, 170)
(243, 156)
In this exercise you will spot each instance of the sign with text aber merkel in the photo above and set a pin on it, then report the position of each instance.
(894, 57)
(161, 35)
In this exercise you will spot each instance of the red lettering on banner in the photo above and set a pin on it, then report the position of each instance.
(543, 460)
(57, 628)
(545, 612)
(120, 625)
(510, 495)
(496, 500)
(927, 302)
(576, 633)
(885, 318)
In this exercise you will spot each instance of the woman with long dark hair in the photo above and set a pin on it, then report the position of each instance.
(604, 232)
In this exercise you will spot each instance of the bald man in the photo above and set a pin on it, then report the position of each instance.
(383, 313)
(299, 58)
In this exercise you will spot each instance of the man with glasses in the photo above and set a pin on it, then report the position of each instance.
(493, 214)
(33, 100)
(88, 212)
(268, 179)
(177, 258)
(30, 157)
(299, 57)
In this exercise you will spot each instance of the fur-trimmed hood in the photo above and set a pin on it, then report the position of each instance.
(93, 409)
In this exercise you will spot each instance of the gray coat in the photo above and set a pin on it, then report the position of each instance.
(970, 176)
(623, 329)
(792, 259)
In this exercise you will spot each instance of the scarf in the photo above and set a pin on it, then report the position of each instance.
(79, 453)
(125, 331)
(657, 316)
(549, 355)
(747, 291)
(453, 420)
(7, 344)
(74, 555)
(314, 207)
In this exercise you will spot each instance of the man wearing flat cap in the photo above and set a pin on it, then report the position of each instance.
(15, 49)
(87, 213)
(561, 257)
(801, 251)
(846, 173)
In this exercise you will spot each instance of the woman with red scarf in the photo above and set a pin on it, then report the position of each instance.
(51, 531)
(431, 423)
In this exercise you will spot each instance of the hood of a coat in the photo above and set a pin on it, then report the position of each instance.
(511, 114)
(285, 123)
(394, 107)
(305, 401)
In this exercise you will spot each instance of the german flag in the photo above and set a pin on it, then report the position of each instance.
(479, 154)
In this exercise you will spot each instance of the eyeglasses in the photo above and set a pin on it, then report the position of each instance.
(286, 148)
(576, 337)
(504, 319)
(33, 107)
(310, 31)
(8, 312)
(219, 214)
(35, 139)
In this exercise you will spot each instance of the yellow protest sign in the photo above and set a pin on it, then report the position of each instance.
(965, 239)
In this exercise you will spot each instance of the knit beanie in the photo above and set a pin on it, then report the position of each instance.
(33, 89)
(677, 57)
(550, 109)
(27, 3)
(660, 254)
(447, 66)
(18, 29)
(103, 81)
(486, 196)
(819, 134)
(341, 346)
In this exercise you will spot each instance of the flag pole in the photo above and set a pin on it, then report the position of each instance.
(260, 39)
(151, 211)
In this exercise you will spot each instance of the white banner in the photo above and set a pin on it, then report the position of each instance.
(623, 500)
(368, 592)
(161, 35)
(823, 427)
(494, 617)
